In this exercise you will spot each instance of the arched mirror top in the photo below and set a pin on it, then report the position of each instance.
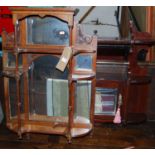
(44, 67)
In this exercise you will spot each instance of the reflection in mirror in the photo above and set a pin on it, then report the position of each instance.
(12, 58)
(48, 30)
(48, 89)
(13, 97)
(106, 101)
(83, 62)
(82, 101)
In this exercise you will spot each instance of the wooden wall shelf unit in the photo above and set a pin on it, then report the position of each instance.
(39, 97)
(121, 66)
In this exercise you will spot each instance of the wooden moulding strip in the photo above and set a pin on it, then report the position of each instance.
(21, 14)
(92, 108)
(51, 123)
(37, 128)
(150, 28)
(84, 47)
(7, 107)
(34, 127)
(41, 49)
(79, 77)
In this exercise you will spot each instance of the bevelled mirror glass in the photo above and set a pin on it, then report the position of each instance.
(48, 89)
(83, 62)
(47, 30)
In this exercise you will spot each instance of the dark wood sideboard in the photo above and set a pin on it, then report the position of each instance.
(121, 65)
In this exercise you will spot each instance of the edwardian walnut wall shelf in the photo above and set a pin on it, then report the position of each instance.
(38, 96)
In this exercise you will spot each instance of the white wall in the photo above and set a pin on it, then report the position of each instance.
(105, 14)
